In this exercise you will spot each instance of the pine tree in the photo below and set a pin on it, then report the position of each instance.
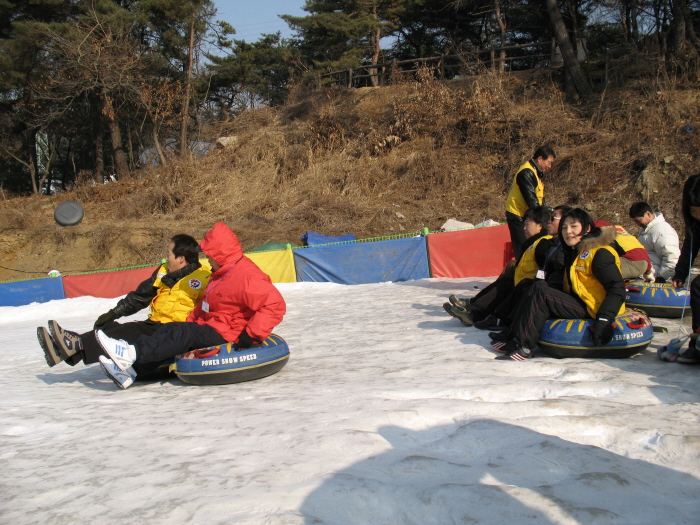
(344, 33)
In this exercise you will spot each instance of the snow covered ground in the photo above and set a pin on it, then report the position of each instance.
(388, 412)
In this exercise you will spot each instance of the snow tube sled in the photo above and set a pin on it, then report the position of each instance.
(223, 364)
(657, 299)
(572, 337)
(68, 213)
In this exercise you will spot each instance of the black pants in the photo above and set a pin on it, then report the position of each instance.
(496, 292)
(517, 233)
(506, 308)
(172, 339)
(539, 304)
(489, 297)
(130, 332)
(695, 302)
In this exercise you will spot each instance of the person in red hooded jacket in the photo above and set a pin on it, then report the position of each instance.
(240, 305)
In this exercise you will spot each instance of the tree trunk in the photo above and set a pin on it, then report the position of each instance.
(660, 22)
(32, 164)
(502, 28)
(184, 149)
(99, 167)
(47, 168)
(573, 68)
(689, 30)
(120, 163)
(375, 38)
(574, 27)
(677, 26)
(156, 142)
(625, 21)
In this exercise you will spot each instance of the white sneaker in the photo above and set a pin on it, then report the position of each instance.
(122, 379)
(119, 351)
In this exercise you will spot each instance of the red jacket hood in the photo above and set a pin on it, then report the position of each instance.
(222, 245)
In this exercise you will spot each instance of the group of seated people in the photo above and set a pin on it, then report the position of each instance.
(570, 267)
(573, 267)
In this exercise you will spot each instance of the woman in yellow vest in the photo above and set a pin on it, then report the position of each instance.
(593, 288)
(526, 192)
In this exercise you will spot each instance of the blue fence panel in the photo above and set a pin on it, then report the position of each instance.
(313, 238)
(363, 263)
(33, 291)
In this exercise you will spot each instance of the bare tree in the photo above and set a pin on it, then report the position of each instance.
(99, 59)
(571, 64)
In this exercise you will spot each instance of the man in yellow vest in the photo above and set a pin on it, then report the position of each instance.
(526, 192)
(171, 292)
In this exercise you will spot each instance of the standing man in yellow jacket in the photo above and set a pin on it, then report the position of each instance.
(171, 292)
(527, 192)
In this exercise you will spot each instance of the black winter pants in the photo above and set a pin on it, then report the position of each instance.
(495, 293)
(489, 297)
(517, 233)
(508, 305)
(539, 304)
(130, 332)
(172, 339)
(695, 302)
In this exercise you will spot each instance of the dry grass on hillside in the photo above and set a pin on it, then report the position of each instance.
(381, 161)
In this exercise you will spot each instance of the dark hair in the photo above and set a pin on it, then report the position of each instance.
(539, 215)
(545, 152)
(185, 246)
(691, 198)
(640, 209)
(563, 208)
(582, 216)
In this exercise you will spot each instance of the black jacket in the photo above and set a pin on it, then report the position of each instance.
(604, 270)
(550, 257)
(689, 251)
(527, 182)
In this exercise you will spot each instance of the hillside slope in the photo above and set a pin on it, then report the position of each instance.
(378, 161)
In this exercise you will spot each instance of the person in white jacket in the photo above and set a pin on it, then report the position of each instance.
(660, 240)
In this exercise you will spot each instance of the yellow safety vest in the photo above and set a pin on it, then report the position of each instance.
(626, 241)
(176, 303)
(527, 267)
(585, 285)
(516, 202)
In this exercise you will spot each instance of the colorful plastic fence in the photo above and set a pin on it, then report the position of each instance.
(479, 252)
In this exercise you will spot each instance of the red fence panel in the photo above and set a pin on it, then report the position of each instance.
(481, 252)
(105, 284)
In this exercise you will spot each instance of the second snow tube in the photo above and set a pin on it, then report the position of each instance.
(657, 299)
(223, 364)
(572, 337)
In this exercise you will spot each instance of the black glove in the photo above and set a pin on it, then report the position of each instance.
(104, 319)
(660, 280)
(245, 341)
(602, 331)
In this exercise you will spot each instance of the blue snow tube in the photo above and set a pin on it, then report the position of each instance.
(223, 364)
(572, 337)
(657, 299)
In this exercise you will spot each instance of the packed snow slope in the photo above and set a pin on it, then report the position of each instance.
(389, 412)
